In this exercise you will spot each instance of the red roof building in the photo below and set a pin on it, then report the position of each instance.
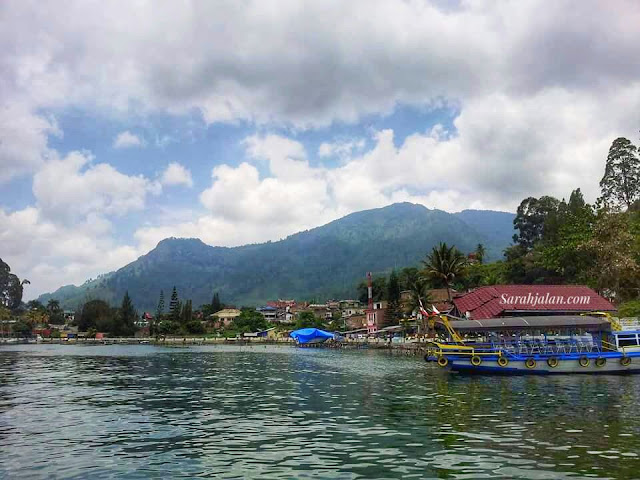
(508, 300)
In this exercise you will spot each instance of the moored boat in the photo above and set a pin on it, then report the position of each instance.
(595, 343)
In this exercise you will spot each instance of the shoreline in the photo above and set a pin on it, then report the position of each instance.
(407, 348)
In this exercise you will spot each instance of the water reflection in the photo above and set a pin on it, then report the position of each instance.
(141, 411)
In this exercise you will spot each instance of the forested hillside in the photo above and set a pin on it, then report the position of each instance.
(325, 262)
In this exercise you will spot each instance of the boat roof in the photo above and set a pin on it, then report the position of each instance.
(537, 322)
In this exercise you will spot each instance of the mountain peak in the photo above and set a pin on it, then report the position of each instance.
(173, 241)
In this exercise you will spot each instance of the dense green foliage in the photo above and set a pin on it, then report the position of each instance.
(98, 316)
(95, 314)
(575, 243)
(56, 314)
(630, 309)
(308, 320)
(326, 262)
(249, 321)
(394, 311)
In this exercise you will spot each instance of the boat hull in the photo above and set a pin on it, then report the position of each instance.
(565, 365)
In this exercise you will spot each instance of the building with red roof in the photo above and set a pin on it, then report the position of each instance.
(521, 300)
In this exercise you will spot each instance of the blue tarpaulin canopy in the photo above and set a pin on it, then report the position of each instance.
(310, 335)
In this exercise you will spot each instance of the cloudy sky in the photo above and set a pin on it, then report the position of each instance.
(125, 122)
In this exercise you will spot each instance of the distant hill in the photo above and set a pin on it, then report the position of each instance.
(322, 263)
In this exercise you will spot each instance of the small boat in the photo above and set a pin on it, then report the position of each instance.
(593, 343)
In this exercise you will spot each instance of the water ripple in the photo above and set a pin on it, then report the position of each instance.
(275, 412)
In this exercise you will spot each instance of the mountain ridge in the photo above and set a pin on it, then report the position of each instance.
(320, 263)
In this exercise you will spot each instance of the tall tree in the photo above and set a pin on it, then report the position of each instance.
(570, 228)
(11, 288)
(480, 253)
(445, 264)
(530, 220)
(153, 325)
(160, 309)
(187, 313)
(216, 305)
(126, 318)
(174, 306)
(621, 181)
(56, 314)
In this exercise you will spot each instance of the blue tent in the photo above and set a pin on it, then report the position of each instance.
(310, 335)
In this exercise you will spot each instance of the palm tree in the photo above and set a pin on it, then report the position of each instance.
(419, 289)
(53, 305)
(480, 252)
(445, 264)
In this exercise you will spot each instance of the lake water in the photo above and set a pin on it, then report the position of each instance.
(280, 412)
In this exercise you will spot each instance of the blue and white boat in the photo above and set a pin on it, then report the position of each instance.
(595, 343)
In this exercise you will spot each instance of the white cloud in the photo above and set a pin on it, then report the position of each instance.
(127, 139)
(23, 140)
(68, 235)
(341, 148)
(314, 64)
(176, 174)
(51, 254)
(72, 187)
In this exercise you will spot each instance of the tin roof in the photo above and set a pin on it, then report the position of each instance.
(491, 302)
(532, 323)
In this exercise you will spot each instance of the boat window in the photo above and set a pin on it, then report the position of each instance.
(628, 340)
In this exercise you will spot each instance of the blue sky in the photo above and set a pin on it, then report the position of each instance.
(237, 122)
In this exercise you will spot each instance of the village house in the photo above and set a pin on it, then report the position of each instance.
(375, 319)
(225, 317)
(351, 311)
(524, 300)
(269, 313)
(321, 310)
(344, 304)
(285, 316)
(333, 305)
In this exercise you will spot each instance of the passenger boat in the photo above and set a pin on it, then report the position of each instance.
(593, 343)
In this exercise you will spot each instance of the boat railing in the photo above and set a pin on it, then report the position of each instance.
(530, 346)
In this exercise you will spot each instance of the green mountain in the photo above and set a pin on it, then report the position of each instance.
(322, 263)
